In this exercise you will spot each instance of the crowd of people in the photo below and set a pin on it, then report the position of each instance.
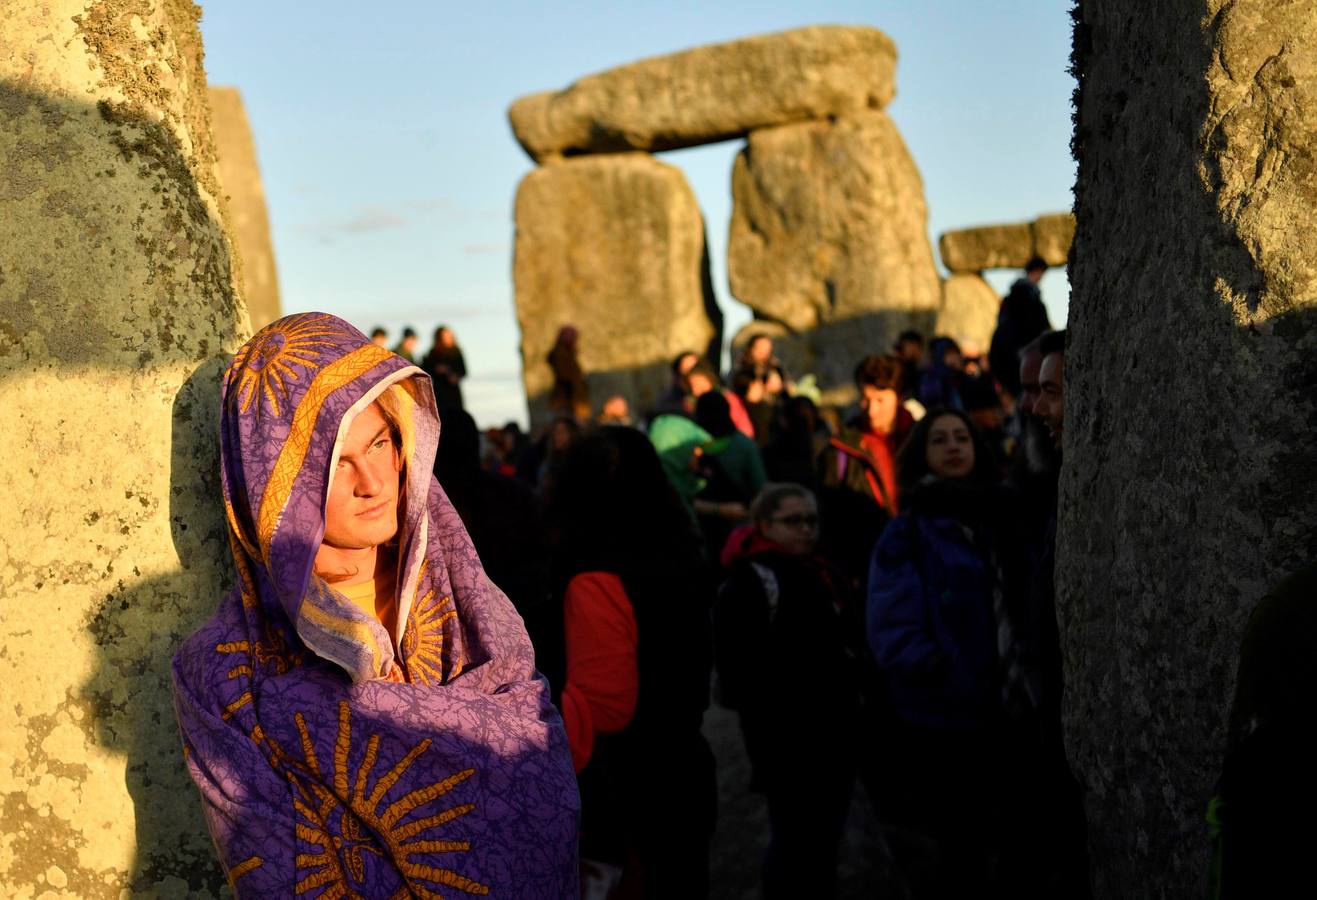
(869, 589)
(513, 647)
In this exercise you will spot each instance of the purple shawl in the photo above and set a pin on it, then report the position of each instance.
(332, 762)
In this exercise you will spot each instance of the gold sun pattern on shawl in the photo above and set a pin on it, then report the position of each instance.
(365, 821)
(423, 641)
(271, 360)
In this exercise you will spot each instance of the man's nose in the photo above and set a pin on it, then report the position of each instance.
(369, 482)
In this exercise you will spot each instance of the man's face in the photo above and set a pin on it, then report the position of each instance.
(380, 339)
(409, 343)
(1050, 405)
(362, 509)
(1029, 366)
(879, 407)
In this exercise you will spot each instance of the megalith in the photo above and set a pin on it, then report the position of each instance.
(116, 310)
(1187, 489)
(614, 245)
(829, 238)
(240, 181)
(969, 310)
(711, 93)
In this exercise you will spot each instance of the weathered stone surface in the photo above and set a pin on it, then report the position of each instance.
(1188, 484)
(712, 93)
(1052, 236)
(116, 307)
(971, 250)
(986, 247)
(240, 180)
(969, 310)
(614, 245)
(829, 236)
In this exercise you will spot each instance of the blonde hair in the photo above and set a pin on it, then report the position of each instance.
(398, 406)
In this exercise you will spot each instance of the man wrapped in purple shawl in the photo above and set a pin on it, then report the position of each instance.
(409, 750)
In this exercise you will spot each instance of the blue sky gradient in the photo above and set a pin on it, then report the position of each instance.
(390, 170)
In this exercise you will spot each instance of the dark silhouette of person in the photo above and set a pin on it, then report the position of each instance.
(1262, 812)
(779, 597)
(1021, 318)
(446, 367)
(634, 594)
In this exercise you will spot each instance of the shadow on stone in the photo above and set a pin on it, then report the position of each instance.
(129, 293)
(137, 628)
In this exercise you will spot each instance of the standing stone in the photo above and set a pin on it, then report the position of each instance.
(829, 237)
(116, 309)
(1188, 485)
(969, 250)
(712, 93)
(969, 310)
(240, 180)
(1052, 235)
(614, 245)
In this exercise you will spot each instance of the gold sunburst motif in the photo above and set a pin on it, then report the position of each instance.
(369, 826)
(273, 651)
(424, 641)
(272, 359)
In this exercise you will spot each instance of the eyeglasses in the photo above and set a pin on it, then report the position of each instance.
(798, 521)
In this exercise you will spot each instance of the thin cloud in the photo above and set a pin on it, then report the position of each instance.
(479, 249)
(373, 219)
(432, 205)
(364, 221)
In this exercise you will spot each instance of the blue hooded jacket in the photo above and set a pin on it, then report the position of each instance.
(930, 622)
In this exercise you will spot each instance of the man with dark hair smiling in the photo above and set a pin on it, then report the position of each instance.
(1057, 799)
(1050, 405)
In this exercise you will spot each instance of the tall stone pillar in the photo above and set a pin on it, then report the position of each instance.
(1188, 485)
(240, 180)
(829, 239)
(614, 245)
(116, 310)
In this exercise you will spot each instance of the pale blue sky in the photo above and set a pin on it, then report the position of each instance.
(390, 169)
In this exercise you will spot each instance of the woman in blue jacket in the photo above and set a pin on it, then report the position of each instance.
(937, 608)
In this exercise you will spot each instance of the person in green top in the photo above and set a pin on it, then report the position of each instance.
(732, 469)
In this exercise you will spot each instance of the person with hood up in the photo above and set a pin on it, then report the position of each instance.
(781, 602)
(362, 714)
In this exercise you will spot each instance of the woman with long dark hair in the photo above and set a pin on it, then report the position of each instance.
(942, 584)
(633, 683)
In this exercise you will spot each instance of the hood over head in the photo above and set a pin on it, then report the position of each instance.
(288, 400)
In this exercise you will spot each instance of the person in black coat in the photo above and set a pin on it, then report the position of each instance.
(1021, 318)
(446, 368)
(778, 603)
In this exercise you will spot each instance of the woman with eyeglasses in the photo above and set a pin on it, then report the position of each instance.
(946, 575)
(780, 654)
